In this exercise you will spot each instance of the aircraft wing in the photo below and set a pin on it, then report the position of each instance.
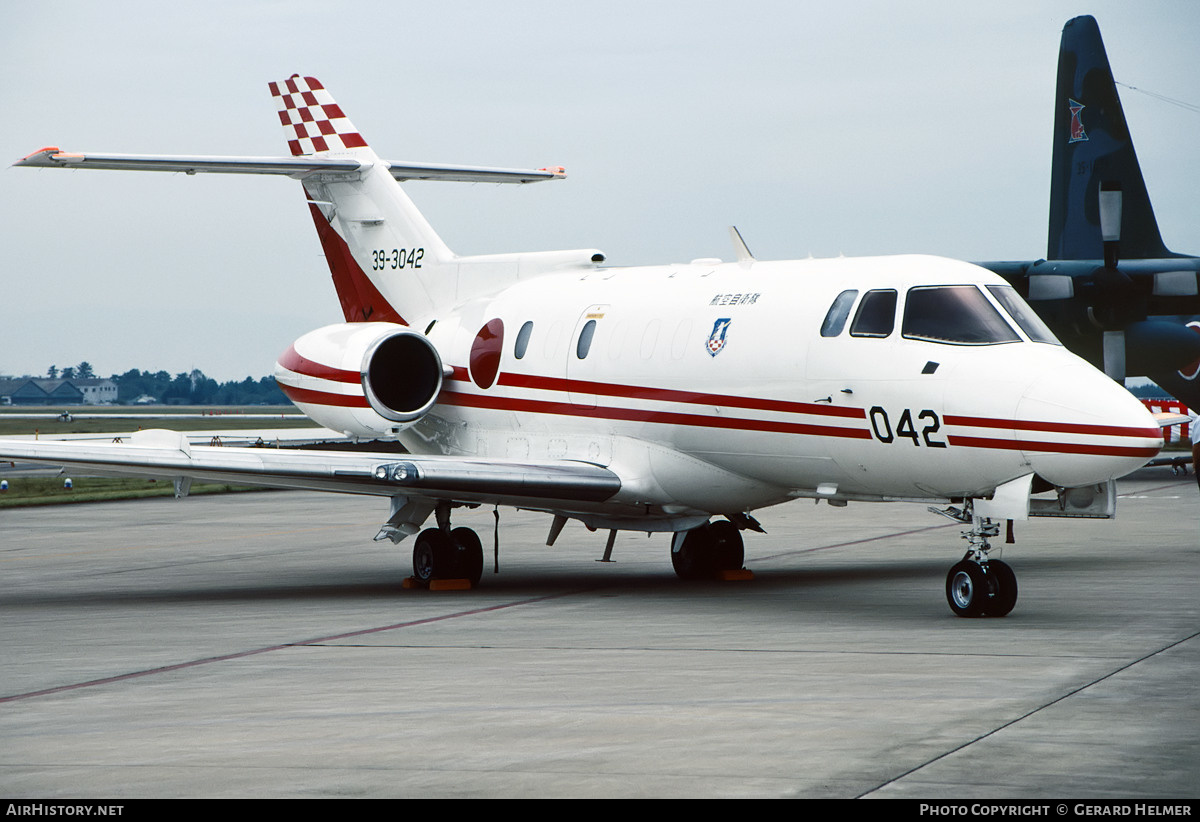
(54, 157)
(159, 453)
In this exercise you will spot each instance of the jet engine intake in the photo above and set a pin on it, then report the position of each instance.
(365, 380)
(402, 375)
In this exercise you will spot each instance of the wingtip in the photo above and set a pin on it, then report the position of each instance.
(40, 153)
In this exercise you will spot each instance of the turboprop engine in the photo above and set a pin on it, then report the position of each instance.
(366, 380)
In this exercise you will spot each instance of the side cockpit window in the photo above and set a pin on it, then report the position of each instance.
(876, 315)
(956, 315)
(835, 320)
(1020, 311)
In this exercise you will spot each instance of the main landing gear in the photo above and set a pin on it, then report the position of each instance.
(454, 555)
(703, 552)
(445, 553)
(978, 586)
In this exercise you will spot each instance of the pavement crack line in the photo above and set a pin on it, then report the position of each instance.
(163, 669)
(1028, 714)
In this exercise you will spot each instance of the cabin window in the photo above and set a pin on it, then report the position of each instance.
(585, 339)
(876, 315)
(522, 344)
(1020, 311)
(954, 314)
(835, 320)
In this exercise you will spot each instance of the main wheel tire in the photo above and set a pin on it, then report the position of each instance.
(728, 550)
(692, 554)
(433, 555)
(469, 554)
(967, 589)
(1002, 588)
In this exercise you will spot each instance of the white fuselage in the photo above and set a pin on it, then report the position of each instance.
(710, 388)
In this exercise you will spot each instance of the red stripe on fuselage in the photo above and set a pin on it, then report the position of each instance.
(568, 409)
(1053, 447)
(558, 384)
(292, 360)
(307, 395)
(643, 392)
(1052, 427)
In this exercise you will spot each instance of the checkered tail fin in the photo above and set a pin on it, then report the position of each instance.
(387, 262)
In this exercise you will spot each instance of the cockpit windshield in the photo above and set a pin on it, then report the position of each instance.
(955, 315)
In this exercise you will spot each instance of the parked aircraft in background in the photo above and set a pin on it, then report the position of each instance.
(1109, 288)
(650, 398)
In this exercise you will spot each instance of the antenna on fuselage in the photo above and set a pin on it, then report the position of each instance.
(739, 246)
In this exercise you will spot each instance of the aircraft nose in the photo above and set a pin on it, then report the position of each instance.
(1078, 427)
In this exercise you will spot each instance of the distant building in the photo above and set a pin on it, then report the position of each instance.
(42, 391)
(97, 391)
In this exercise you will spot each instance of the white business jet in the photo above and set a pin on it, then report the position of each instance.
(675, 398)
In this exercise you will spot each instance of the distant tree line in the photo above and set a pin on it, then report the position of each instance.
(192, 388)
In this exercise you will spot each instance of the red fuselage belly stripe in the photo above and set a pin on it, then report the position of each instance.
(640, 415)
(1053, 447)
(1059, 427)
(643, 392)
(293, 361)
(307, 395)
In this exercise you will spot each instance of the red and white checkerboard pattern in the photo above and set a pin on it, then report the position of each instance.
(311, 119)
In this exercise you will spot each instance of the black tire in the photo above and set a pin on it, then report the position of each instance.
(1002, 588)
(469, 554)
(692, 554)
(967, 589)
(433, 555)
(728, 551)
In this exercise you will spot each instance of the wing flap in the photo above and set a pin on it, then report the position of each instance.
(158, 453)
(53, 157)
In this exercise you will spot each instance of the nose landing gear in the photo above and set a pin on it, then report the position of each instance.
(977, 586)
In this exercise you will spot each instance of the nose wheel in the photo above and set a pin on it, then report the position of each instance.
(977, 589)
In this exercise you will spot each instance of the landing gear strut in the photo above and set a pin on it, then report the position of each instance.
(978, 586)
(703, 552)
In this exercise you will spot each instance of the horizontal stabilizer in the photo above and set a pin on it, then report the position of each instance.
(284, 166)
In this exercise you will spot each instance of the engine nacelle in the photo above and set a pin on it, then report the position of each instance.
(366, 380)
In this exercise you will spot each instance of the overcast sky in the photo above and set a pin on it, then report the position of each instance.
(816, 128)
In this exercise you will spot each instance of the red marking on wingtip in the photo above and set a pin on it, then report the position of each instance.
(54, 149)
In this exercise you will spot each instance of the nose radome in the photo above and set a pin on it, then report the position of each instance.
(1078, 427)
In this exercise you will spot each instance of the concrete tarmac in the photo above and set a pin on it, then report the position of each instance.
(260, 645)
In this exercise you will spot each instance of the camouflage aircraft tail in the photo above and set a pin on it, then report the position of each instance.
(1093, 150)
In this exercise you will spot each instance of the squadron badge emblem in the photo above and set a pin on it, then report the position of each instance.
(716, 340)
